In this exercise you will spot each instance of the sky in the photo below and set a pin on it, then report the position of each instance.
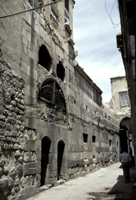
(95, 41)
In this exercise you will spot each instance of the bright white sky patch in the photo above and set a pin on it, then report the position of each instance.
(95, 41)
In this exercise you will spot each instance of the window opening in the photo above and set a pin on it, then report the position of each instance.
(51, 93)
(67, 21)
(110, 143)
(60, 71)
(67, 4)
(46, 143)
(55, 3)
(93, 138)
(44, 58)
(85, 137)
(61, 148)
(123, 99)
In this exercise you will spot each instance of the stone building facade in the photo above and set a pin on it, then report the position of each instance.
(53, 124)
(121, 104)
(120, 98)
(126, 45)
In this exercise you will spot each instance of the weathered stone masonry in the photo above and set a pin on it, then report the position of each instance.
(53, 123)
(14, 136)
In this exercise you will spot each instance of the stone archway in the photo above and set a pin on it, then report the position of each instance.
(45, 144)
(60, 159)
(124, 134)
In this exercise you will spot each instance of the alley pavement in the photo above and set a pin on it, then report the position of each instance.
(106, 183)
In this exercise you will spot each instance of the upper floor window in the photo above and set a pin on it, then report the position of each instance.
(110, 143)
(67, 4)
(85, 137)
(123, 99)
(55, 2)
(44, 58)
(54, 11)
(93, 139)
(60, 71)
(52, 94)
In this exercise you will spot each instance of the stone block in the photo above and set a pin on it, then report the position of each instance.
(31, 112)
(30, 168)
(3, 183)
(30, 145)
(15, 133)
(21, 197)
(30, 122)
(38, 168)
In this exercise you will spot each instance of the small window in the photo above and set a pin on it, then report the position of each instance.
(85, 137)
(123, 99)
(55, 2)
(44, 58)
(117, 143)
(60, 71)
(110, 143)
(93, 138)
(67, 4)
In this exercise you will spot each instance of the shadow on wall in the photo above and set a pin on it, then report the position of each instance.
(120, 191)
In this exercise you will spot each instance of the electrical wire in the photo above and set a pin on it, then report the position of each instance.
(35, 8)
(109, 14)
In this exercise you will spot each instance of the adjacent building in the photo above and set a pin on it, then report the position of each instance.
(53, 124)
(126, 45)
(121, 104)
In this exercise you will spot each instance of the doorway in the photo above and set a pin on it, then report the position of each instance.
(61, 147)
(46, 143)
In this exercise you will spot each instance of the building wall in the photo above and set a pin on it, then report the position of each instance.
(119, 85)
(52, 127)
(126, 44)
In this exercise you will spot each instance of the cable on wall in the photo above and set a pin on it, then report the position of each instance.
(32, 9)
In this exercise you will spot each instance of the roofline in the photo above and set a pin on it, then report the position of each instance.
(87, 78)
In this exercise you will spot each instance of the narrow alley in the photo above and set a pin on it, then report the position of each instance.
(103, 184)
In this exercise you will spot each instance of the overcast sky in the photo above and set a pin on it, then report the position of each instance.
(95, 41)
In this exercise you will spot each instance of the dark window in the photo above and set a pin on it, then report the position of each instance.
(51, 93)
(123, 99)
(44, 58)
(93, 138)
(110, 143)
(117, 144)
(85, 137)
(60, 71)
(55, 2)
(67, 4)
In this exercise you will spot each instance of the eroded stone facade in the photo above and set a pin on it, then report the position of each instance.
(53, 123)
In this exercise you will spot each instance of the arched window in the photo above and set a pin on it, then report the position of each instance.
(60, 71)
(52, 94)
(44, 58)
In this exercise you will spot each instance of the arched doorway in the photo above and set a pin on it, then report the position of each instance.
(61, 147)
(46, 143)
(124, 134)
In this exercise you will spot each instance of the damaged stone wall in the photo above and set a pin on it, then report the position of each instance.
(11, 131)
(16, 176)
